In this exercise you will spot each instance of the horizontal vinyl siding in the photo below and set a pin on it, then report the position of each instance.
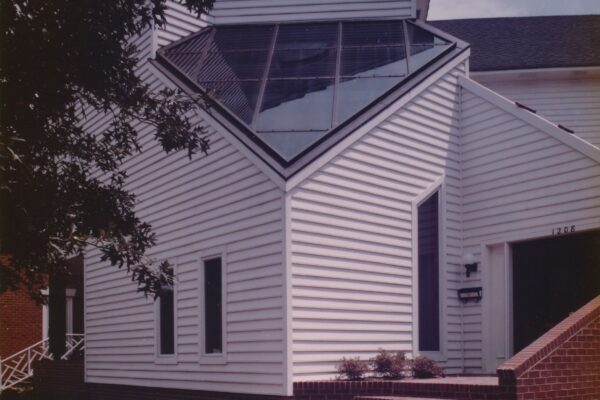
(351, 237)
(256, 11)
(217, 201)
(180, 22)
(574, 103)
(516, 179)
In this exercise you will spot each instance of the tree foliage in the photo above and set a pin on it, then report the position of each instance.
(62, 188)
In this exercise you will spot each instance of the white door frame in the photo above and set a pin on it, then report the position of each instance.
(496, 256)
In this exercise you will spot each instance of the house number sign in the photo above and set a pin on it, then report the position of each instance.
(563, 230)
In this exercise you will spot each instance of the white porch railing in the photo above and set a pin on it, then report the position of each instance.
(19, 367)
(75, 342)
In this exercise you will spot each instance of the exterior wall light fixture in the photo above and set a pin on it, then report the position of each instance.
(469, 263)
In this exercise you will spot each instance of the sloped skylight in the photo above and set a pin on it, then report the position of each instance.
(293, 83)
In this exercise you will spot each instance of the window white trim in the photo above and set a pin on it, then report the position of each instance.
(166, 359)
(438, 186)
(209, 254)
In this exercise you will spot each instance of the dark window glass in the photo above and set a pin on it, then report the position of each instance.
(296, 105)
(429, 292)
(372, 33)
(213, 307)
(167, 320)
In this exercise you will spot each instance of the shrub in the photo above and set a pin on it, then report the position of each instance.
(423, 367)
(352, 368)
(389, 364)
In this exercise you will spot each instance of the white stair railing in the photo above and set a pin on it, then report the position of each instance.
(19, 367)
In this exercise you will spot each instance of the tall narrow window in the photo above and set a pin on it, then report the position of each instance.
(167, 321)
(429, 281)
(213, 307)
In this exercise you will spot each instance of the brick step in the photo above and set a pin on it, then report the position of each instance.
(393, 398)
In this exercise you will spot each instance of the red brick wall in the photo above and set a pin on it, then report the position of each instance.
(20, 322)
(562, 364)
(352, 390)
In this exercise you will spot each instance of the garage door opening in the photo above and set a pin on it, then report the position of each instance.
(551, 279)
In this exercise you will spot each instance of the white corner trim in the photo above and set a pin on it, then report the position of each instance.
(204, 255)
(288, 365)
(530, 118)
(334, 151)
(228, 136)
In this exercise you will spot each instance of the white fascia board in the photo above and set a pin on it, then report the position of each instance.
(537, 73)
(338, 148)
(227, 135)
(531, 118)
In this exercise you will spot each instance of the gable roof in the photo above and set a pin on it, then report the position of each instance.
(237, 65)
(528, 42)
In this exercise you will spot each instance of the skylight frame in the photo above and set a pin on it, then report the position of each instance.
(448, 42)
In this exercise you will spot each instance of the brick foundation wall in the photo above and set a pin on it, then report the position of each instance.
(347, 390)
(563, 364)
(59, 380)
(20, 322)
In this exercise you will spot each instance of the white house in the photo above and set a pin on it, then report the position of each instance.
(356, 166)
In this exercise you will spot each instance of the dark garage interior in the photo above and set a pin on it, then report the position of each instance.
(551, 279)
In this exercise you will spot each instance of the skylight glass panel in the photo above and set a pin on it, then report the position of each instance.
(239, 97)
(293, 83)
(242, 37)
(292, 103)
(307, 36)
(424, 46)
(355, 93)
(373, 33)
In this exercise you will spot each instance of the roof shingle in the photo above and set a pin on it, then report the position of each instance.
(528, 42)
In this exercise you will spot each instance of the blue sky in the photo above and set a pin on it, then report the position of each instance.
(455, 9)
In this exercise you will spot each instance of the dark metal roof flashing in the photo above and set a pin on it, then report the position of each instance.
(243, 104)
